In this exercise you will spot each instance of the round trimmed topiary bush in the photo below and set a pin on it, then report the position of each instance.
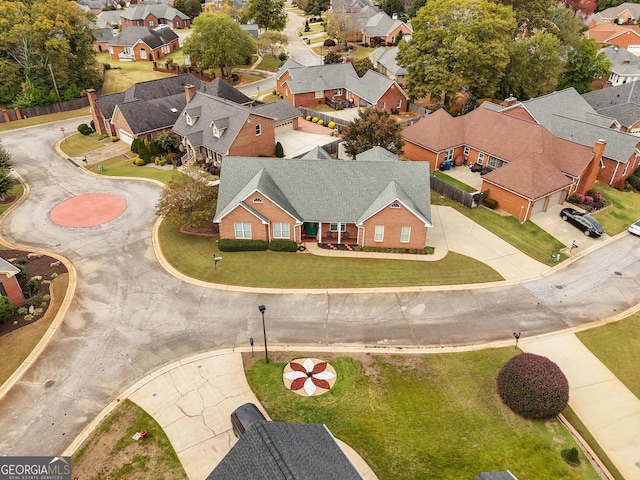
(533, 386)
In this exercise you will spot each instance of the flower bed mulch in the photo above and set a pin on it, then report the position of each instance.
(37, 267)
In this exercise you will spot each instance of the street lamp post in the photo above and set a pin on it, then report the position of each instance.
(263, 309)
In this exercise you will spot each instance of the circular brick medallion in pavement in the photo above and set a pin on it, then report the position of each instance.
(88, 210)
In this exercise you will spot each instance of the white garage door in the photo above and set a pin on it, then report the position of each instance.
(126, 137)
(538, 207)
(284, 127)
(555, 199)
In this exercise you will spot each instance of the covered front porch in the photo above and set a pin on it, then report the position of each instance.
(327, 233)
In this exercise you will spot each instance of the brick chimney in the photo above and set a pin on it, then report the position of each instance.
(92, 95)
(189, 91)
(588, 177)
(507, 102)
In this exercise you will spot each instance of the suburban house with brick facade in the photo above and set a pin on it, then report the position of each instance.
(625, 36)
(309, 86)
(211, 127)
(531, 169)
(620, 102)
(154, 15)
(351, 203)
(381, 29)
(568, 115)
(9, 286)
(384, 60)
(146, 109)
(143, 44)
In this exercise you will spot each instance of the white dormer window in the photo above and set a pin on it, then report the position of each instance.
(189, 120)
(257, 200)
(216, 133)
(395, 205)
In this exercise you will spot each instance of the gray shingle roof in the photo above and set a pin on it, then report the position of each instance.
(153, 38)
(381, 25)
(612, 12)
(372, 86)
(220, 88)
(214, 110)
(252, 29)
(621, 102)
(140, 12)
(107, 103)
(103, 34)
(151, 115)
(110, 16)
(328, 190)
(387, 58)
(622, 61)
(279, 450)
(279, 111)
(377, 154)
(568, 115)
(317, 153)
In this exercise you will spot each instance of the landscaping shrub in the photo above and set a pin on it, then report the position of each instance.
(491, 203)
(22, 311)
(84, 129)
(283, 246)
(32, 286)
(571, 456)
(235, 245)
(143, 152)
(282, 57)
(6, 309)
(22, 274)
(320, 122)
(135, 144)
(314, 119)
(137, 161)
(533, 386)
(279, 150)
(329, 42)
(587, 199)
(417, 251)
(576, 198)
(308, 118)
(331, 124)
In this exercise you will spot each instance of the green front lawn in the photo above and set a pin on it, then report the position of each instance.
(528, 237)
(77, 144)
(122, 75)
(453, 181)
(119, 167)
(617, 346)
(624, 211)
(408, 420)
(193, 255)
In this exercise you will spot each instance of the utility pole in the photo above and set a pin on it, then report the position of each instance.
(55, 85)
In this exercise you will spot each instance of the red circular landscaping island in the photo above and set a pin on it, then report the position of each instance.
(88, 210)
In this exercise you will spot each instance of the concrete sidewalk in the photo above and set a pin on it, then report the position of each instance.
(192, 401)
(606, 407)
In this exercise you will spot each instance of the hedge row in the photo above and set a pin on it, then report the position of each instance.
(235, 245)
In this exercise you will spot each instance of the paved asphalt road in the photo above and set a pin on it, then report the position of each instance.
(130, 317)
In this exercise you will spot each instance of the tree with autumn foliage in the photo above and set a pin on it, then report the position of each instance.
(584, 8)
(373, 128)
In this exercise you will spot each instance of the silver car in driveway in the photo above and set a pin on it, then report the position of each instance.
(635, 228)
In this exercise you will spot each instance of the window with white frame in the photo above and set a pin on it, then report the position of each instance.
(466, 150)
(448, 156)
(383, 105)
(337, 91)
(494, 162)
(242, 230)
(399, 103)
(258, 129)
(333, 227)
(378, 234)
(152, 23)
(281, 230)
(143, 54)
(405, 234)
(319, 94)
(166, 49)
(480, 158)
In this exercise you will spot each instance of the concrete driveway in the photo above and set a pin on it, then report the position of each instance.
(551, 222)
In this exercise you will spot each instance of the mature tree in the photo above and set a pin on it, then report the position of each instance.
(535, 67)
(10, 80)
(167, 142)
(602, 4)
(373, 128)
(392, 6)
(220, 41)
(457, 44)
(315, 7)
(332, 57)
(585, 64)
(583, 7)
(530, 14)
(340, 25)
(5, 159)
(49, 39)
(415, 6)
(271, 43)
(188, 200)
(268, 14)
(565, 25)
(362, 65)
(192, 8)
(6, 182)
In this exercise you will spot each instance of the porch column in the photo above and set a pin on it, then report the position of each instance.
(339, 232)
(319, 237)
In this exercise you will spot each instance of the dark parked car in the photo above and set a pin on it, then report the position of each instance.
(589, 225)
(243, 417)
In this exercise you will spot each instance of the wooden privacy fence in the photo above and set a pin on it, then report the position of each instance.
(14, 114)
(322, 116)
(469, 200)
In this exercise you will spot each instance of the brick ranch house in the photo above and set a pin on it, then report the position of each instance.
(211, 127)
(533, 169)
(364, 203)
(310, 86)
(147, 109)
(154, 15)
(143, 44)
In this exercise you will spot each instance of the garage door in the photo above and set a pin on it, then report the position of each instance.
(555, 199)
(538, 207)
(284, 127)
(126, 137)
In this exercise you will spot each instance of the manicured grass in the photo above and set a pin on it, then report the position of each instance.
(42, 119)
(624, 211)
(315, 27)
(528, 237)
(118, 167)
(617, 346)
(111, 452)
(408, 420)
(122, 75)
(193, 255)
(270, 63)
(576, 423)
(17, 345)
(453, 181)
(17, 190)
(359, 51)
(77, 144)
